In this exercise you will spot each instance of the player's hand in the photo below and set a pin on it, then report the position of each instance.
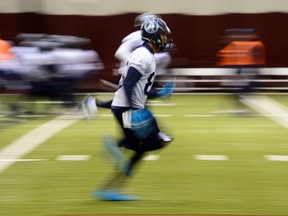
(166, 90)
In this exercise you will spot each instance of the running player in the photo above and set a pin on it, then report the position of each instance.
(128, 45)
(129, 108)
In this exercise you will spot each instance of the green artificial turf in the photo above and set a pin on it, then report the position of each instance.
(177, 183)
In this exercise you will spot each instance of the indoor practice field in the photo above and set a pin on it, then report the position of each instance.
(220, 162)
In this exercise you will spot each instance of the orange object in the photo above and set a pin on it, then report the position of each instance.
(5, 51)
(241, 53)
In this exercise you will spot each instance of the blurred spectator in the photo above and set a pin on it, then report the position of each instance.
(52, 65)
(243, 51)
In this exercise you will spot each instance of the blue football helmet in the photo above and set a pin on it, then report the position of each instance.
(152, 29)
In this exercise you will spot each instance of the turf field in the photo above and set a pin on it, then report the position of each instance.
(219, 163)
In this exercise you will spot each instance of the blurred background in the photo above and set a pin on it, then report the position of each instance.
(198, 28)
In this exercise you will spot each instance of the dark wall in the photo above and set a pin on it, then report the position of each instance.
(197, 37)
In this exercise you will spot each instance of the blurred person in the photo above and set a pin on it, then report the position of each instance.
(244, 52)
(138, 125)
(28, 66)
(242, 48)
(11, 77)
(72, 65)
(52, 65)
(5, 55)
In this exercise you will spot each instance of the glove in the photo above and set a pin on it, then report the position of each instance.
(166, 90)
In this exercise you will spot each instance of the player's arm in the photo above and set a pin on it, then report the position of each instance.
(104, 104)
(165, 92)
(133, 75)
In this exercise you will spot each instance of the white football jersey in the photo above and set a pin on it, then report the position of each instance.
(144, 62)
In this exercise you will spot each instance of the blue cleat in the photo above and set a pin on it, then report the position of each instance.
(108, 195)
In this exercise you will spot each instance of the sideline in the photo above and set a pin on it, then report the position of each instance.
(268, 107)
(28, 142)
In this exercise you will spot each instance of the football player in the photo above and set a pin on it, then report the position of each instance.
(128, 45)
(129, 108)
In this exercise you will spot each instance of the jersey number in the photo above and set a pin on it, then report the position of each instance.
(149, 83)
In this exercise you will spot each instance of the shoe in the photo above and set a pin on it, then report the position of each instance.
(88, 106)
(163, 137)
(108, 195)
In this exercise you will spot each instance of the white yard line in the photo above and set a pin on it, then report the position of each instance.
(105, 115)
(276, 157)
(199, 115)
(151, 157)
(33, 139)
(211, 157)
(163, 115)
(22, 160)
(73, 157)
(269, 108)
